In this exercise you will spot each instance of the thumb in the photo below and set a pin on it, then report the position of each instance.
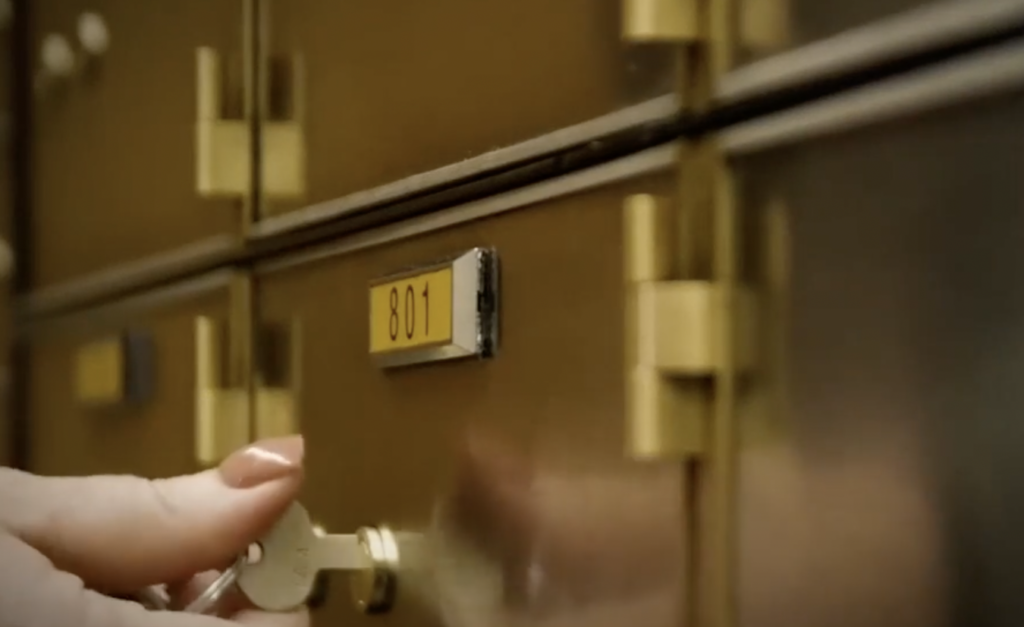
(119, 533)
(32, 594)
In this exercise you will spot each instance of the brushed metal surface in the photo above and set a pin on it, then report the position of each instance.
(154, 439)
(394, 90)
(987, 73)
(895, 30)
(898, 501)
(114, 169)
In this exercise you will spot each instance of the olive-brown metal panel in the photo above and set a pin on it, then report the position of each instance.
(395, 89)
(114, 159)
(906, 356)
(383, 445)
(150, 438)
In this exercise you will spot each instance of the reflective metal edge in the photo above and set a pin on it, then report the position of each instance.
(475, 331)
(972, 77)
(126, 276)
(645, 162)
(114, 312)
(651, 110)
(914, 31)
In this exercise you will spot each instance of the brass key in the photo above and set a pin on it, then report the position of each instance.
(293, 553)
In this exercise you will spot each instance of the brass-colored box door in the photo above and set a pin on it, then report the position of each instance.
(387, 438)
(905, 356)
(114, 168)
(396, 89)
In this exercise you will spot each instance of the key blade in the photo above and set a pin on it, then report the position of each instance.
(339, 551)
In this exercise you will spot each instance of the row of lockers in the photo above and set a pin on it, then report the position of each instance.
(357, 95)
(901, 348)
(897, 204)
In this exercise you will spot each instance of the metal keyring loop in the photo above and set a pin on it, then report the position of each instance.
(216, 590)
(151, 598)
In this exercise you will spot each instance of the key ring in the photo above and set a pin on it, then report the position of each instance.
(152, 599)
(216, 590)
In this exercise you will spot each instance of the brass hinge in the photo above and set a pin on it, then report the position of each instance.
(246, 378)
(699, 329)
(721, 30)
(680, 334)
(222, 400)
(278, 374)
(230, 414)
(706, 297)
(224, 146)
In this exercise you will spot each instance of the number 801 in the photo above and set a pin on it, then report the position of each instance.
(409, 310)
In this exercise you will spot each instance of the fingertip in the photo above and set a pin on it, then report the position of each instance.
(263, 462)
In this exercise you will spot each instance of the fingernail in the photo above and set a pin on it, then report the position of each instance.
(264, 461)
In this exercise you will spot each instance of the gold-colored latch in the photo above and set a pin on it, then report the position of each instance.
(224, 147)
(115, 370)
(673, 338)
(222, 405)
(99, 372)
(277, 376)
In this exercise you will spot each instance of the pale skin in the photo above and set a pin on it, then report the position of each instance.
(69, 545)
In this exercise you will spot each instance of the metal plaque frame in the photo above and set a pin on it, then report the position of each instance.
(475, 306)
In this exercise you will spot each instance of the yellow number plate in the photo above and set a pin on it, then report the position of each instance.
(412, 312)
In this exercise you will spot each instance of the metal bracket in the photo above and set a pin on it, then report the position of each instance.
(224, 150)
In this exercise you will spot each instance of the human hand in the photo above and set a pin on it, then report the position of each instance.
(66, 543)
(603, 546)
(567, 548)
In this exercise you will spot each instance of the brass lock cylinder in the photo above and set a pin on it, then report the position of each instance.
(374, 586)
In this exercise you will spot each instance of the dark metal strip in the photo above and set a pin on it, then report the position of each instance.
(116, 313)
(188, 261)
(20, 154)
